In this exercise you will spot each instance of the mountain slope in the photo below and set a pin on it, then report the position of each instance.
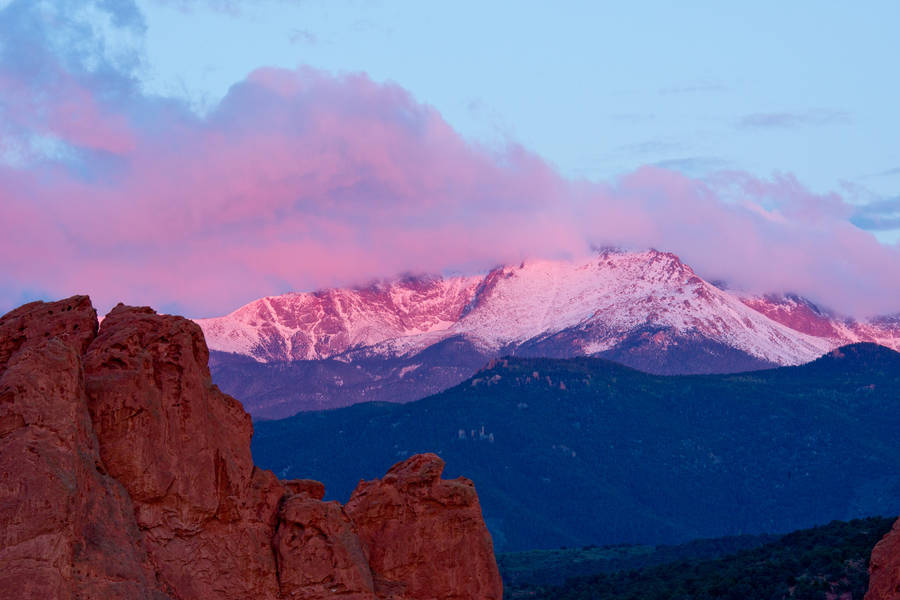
(327, 323)
(402, 340)
(804, 316)
(584, 451)
(602, 299)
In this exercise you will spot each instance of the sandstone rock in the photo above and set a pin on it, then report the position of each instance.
(319, 553)
(313, 489)
(182, 450)
(66, 527)
(73, 321)
(884, 567)
(425, 536)
(126, 474)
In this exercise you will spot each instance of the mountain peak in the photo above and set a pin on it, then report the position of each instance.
(399, 340)
(607, 296)
(647, 309)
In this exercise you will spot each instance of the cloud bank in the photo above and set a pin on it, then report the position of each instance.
(301, 179)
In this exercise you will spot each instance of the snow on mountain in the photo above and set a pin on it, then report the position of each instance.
(801, 315)
(613, 294)
(310, 326)
(403, 340)
(599, 302)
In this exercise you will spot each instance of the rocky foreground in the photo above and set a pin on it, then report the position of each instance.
(125, 474)
(884, 567)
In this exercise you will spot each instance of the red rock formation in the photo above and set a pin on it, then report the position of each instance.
(125, 473)
(425, 536)
(66, 527)
(319, 553)
(884, 567)
(182, 450)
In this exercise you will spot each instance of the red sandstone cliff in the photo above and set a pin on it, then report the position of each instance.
(884, 567)
(412, 518)
(124, 473)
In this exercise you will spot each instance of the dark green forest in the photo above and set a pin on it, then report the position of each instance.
(812, 564)
(554, 567)
(583, 451)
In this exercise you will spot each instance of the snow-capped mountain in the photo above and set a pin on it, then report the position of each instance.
(804, 316)
(403, 339)
(324, 324)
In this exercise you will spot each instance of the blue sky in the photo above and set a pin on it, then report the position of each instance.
(596, 88)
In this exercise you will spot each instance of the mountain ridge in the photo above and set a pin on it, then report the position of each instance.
(646, 309)
(605, 297)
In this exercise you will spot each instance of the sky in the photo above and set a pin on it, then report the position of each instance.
(196, 155)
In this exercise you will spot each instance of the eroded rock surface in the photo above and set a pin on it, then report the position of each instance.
(125, 473)
(425, 535)
(67, 528)
(182, 450)
(319, 553)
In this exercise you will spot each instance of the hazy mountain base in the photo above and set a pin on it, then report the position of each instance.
(281, 389)
(584, 451)
(822, 563)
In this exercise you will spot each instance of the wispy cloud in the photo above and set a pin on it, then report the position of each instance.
(650, 147)
(888, 172)
(695, 87)
(632, 117)
(881, 215)
(303, 36)
(232, 7)
(793, 120)
(694, 165)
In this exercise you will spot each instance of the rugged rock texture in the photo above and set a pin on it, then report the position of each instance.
(182, 450)
(884, 567)
(66, 528)
(124, 473)
(425, 535)
(319, 552)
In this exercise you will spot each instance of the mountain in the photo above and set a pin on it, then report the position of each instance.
(402, 340)
(125, 474)
(571, 452)
(802, 315)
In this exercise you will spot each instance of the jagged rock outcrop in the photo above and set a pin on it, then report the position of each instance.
(182, 450)
(884, 567)
(125, 473)
(67, 528)
(424, 534)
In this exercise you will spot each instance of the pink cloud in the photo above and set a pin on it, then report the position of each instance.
(300, 179)
(64, 108)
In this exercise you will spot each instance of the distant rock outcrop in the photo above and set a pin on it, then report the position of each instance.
(124, 473)
(884, 567)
